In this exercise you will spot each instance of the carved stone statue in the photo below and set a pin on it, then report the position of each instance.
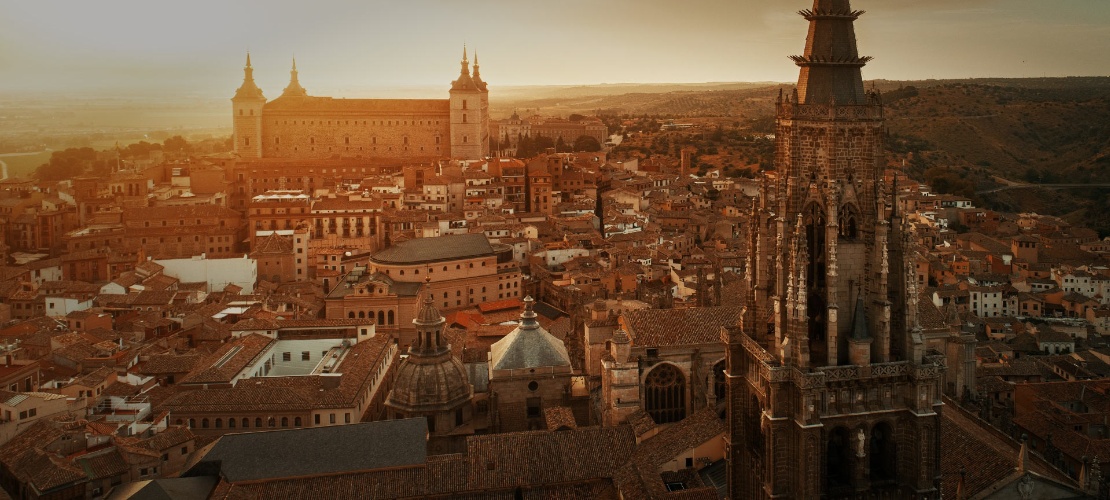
(861, 439)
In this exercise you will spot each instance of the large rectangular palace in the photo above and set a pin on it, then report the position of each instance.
(297, 125)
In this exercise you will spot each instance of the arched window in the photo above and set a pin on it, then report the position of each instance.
(884, 453)
(361, 314)
(389, 316)
(381, 317)
(219, 423)
(351, 315)
(297, 421)
(285, 421)
(246, 423)
(849, 222)
(665, 391)
(814, 219)
(258, 422)
(231, 423)
(192, 423)
(204, 423)
(270, 422)
(838, 461)
(720, 388)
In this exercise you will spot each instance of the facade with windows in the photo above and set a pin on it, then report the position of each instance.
(297, 125)
(667, 362)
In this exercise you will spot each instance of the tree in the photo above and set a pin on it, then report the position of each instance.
(176, 144)
(587, 144)
(576, 117)
(66, 164)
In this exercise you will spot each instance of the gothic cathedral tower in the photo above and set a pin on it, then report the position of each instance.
(469, 113)
(832, 393)
(247, 109)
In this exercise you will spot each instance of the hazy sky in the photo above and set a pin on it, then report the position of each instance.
(358, 46)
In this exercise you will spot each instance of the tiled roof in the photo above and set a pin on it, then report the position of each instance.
(442, 248)
(984, 456)
(103, 464)
(249, 347)
(639, 478)
(669, 327)
(319, 450)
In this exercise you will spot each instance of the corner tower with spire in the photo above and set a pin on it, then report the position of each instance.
(469, 113)
(294, 89)
(832, 393)
(246, 108)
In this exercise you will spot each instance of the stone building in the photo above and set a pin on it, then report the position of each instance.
(832, 390)
(462, 271)
(529, 372)
(667, 362)
(432, 384)
(297, 125)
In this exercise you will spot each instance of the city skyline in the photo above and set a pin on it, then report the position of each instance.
(345, 46)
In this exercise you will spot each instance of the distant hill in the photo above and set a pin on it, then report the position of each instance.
(1035, 130)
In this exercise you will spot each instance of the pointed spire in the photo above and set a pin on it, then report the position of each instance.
(465, 82)
(476, 76)
(294, 89)
(830, 66)
(248, 90)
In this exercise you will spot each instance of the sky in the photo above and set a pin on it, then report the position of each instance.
(361, 47)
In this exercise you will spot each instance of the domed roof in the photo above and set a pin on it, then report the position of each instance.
(430, 384)
(528, 346)
(431, 378)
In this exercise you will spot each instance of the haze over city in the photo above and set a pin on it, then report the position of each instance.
(356, 48)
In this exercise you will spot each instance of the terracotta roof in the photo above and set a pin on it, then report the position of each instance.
(667, 327)
(559, 418)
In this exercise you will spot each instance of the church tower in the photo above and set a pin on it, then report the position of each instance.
(246, 108)
(831, 390)
(469, 114)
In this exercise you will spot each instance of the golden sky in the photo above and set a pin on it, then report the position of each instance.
(344, 47)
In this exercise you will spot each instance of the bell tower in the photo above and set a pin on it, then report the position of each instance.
(831, 391)
(246, 108)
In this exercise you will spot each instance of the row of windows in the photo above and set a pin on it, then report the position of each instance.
(384, 317)
(218, 423)
(376, 123)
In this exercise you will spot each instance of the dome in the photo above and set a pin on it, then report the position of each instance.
(430, 384)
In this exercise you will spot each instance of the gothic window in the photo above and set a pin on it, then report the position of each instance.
(665, 394)
(883, 452)
(849, 222)
(838, 461)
